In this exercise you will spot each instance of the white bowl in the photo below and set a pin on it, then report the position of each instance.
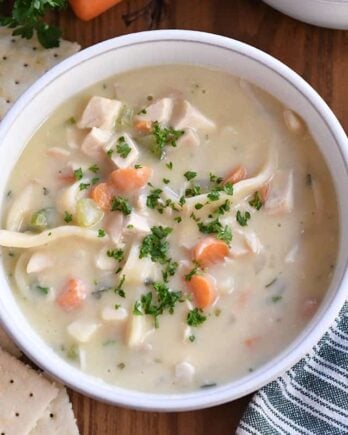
(179, 47)
(324, 13)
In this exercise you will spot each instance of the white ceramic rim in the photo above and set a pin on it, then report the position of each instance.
(325, 317)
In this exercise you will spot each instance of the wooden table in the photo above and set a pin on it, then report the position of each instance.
(319, 55)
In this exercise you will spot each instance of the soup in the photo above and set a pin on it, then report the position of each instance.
(170, 229)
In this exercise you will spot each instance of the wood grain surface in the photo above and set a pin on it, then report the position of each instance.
(319, 55)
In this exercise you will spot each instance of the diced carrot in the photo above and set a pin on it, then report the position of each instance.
(102, 194)
(309, 306)
(142, 125)
(66, 175)
(73, 295)
(237, 174)
(203, 289)
(263, 192)
(130, 179)
(88, 9)
(210, 251)
(251, 341)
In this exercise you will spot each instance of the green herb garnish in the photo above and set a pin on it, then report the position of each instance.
(155, 245)
(121, 204)
(164, 136)
(256, 201)
(243, 219)
(122, 148)
(119, 289)
(78, 174)
(195, 317)
(68, 217)
(116, 254)
(27, 19)
(190, 175)
(94, 168)
(153, 198)
(101, 232)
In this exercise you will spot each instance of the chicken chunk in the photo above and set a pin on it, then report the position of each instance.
(189, 139)
(139, 270)
(280, 195)
(101, 113)
(187, 116)
(82, 331)
(38, 262)
(124, 151)
(94, 143)
(137, 224)
(161, 111)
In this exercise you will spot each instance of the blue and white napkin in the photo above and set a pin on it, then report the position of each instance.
(312, 397)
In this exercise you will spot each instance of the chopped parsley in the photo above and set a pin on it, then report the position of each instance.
(94, 168)
(165, 180)
(155, 245)
(84, 186)
(164, 136)
(153, 198)
(155, 303)
(122, 148)
(190, 175)
(68, 217)
(228, 188)
(276, 298)
(116, 254)
(195, 317)
(243, 220)
(194, 271)
(45, 191)
(192, 338)
(214, 195)
(121, 204)
(119, 290)
(194, 190)
(198, 206)
(43, 290)
(110, 152)
(223, 208)
(101, 232)
(178, 219)
(215, 227)
(170, 269)
(137, 166)
(95, 180)
(169, 165)
(78, 174)
(256, 201)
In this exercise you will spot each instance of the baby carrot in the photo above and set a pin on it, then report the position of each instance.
(88, 9)
(102, 194)
(72, 295)
(237, 174)
(203, 289)
(210, 251)
(130, 179)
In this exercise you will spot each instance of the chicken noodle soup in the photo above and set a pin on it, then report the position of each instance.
(169, 229)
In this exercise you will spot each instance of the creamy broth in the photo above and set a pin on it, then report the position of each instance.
(251, 254)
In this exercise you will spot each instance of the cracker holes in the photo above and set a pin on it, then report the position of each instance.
(3, 433)
(31, 395)
(8, 101)
(17, 82)
(11, 381)
(51, 415)
(55, 55)
(4, 57)
(25, 65)
(17, 414)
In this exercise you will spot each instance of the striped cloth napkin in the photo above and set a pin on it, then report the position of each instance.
(312, 397)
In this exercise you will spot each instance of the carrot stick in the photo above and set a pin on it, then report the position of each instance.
(88, 9)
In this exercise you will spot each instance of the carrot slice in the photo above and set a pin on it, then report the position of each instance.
(203, 290)
(102, 194)
(130, 179)
(210, 251)
(237, 174)
(142, 125)
(88, 9)
(72, 295)
(251, 342)
(66, 175)
(263, 192)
